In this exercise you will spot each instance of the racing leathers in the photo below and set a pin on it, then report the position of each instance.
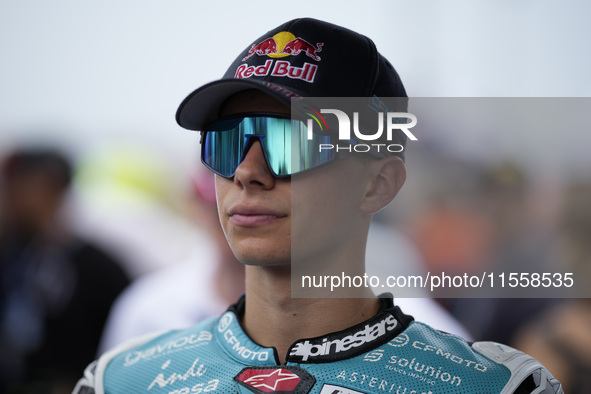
(389, 353)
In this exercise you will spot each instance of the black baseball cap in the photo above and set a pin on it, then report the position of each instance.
(301, 58)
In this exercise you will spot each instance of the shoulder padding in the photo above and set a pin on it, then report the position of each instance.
(528, 375)
(92, 381)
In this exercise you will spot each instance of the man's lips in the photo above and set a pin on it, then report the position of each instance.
(252, 216)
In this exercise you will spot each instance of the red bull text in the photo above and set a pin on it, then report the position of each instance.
(281, 68)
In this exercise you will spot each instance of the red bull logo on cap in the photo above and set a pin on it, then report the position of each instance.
(284, 44)
(281, 45)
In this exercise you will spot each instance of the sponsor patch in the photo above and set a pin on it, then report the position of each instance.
(281, 68)
(285, 44)
(350, 343)
(281, 45)
(185, 342)
(276, 379)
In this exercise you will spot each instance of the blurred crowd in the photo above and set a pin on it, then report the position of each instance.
(97, 250)
(470, 217)
(56, 288)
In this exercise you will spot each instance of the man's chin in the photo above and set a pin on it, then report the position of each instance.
(271, 264)
(261, 252)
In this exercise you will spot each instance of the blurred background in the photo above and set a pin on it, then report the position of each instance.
(96, 85)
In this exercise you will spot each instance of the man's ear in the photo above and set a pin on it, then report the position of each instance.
(386, 177)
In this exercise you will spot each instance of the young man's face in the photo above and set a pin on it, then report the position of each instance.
(255, 207)
(262, 215)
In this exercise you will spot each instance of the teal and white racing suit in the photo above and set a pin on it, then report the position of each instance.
(389, 353)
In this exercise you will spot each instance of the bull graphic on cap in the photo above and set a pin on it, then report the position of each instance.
(263, 48)
(298, 45)
(269, 47)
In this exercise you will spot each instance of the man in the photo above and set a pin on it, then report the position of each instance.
(316, 210)
(56, 289)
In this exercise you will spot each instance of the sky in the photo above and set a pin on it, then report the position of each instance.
(83, 75)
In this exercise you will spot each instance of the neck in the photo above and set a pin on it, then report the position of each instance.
(229, 275)
(273, 319)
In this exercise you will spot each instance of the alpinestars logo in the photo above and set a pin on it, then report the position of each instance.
(329, 348)
(278, 379)
(275, 379)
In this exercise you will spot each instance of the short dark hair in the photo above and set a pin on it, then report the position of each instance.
(26, 162)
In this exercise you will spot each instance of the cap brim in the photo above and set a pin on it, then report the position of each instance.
(203, 105)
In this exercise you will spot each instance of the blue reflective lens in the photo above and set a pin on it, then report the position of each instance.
(285, 144)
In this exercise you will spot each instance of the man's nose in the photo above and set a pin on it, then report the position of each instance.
(254, 169)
